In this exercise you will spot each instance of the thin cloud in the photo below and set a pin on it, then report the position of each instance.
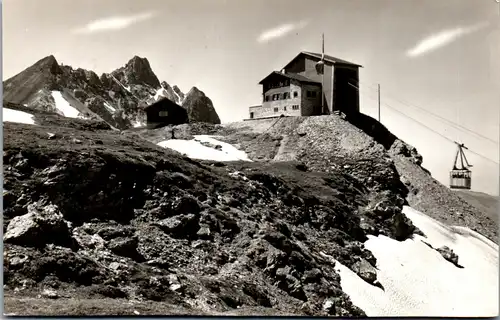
(113, 23)
(441, 39)
(280, 31)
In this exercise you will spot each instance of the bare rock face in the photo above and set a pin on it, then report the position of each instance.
(42, 224)
(92, 78)
(401, 148)
(137, 71)
(41, 75)
(200, 107)
(179, 92)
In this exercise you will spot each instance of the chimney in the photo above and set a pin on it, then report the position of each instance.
(283, 71)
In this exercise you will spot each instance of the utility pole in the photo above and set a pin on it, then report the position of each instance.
(323, 91)
(379, 102)
(323, 72)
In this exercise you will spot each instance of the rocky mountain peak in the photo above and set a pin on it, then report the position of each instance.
(164, 85)
(137, 71)
(48, 63)
(195, 92)
(114, 97)
(42, 75)
(199, 107)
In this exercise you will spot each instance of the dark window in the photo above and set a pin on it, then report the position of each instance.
(311, 94)
(275, 109)
(286, 95)
(251, 115)
(267, 98)
(295, 94)
(284, 108)
(295, 107)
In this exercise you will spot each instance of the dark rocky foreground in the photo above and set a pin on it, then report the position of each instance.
(94, 215)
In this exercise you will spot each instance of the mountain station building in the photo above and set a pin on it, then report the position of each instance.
(296, 90)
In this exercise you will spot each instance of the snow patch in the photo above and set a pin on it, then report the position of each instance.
(137, 124)
(109, 107)
(418, 281)
(178, 96)
(10, 115)
(160, 93)
(62, 105)
(196, 150)
(117, 81)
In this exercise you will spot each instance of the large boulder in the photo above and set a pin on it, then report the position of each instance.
(42, 224)
(199, 107)
(448, 255)
(365, 271)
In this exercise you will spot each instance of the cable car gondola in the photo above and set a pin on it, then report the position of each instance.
(460, 176)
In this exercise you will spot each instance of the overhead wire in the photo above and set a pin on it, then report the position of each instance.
(427, 127)
(456, 125)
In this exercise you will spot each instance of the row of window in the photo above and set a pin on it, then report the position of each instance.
(286, 95)
(281, 96)
(294, 107)
(285, 83)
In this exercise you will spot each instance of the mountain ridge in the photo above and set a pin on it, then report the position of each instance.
(117, 97)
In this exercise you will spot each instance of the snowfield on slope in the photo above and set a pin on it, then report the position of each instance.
(10, 115)
(418, 281)
(195, 149)
(62, 105)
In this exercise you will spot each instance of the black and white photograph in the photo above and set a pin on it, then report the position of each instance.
(270, 158)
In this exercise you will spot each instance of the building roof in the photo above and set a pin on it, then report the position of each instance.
(327, 58)
(290, 76)
(162, 102)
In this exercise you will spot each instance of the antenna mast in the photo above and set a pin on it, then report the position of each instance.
(379, 102)
(320, 68)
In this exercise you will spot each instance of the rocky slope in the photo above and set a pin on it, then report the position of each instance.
(117, 98)
(361, 148)
(485, 202)
(91, 213)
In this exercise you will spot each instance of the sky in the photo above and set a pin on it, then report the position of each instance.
(434, 60)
